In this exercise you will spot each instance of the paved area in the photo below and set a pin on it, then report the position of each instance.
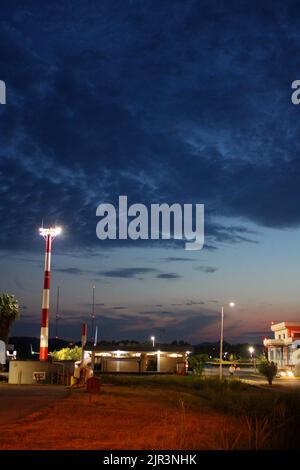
(250, 376)
(18, 401)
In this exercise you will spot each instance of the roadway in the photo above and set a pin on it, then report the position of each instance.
(252, 377)
(18, 401)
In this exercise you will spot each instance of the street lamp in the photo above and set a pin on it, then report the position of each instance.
(48, 234)
(231, 304)
(153, 340)
(251, 351)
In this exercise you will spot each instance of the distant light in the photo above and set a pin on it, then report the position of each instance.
(251, 349)
(290, 373)
(231, 304)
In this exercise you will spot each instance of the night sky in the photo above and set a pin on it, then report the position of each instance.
(162, 101)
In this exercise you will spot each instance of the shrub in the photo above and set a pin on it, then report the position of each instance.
(67, 354)
(196, 363)
(268, 369)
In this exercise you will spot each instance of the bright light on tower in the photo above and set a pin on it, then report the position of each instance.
(153, 340)
(52, 231)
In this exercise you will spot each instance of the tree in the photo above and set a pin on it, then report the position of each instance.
(67, 354)
(196, 362)
(268, 369)
(9, 312)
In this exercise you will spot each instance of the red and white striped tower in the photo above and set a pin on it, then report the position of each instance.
(83, 341)
(49, 234)
(84, 333)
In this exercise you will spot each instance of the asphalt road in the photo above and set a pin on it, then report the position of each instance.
(252, 377)
(18, 401)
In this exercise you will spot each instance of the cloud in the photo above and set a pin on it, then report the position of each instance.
(177, 259)
(79, 128)
(156, 313)
(97, 304)
(73, 271)
(206, 269)
(192, 302)
(128, 273)
(169, 276)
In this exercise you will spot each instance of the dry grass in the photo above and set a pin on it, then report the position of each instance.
(123, 418)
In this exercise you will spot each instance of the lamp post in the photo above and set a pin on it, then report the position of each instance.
(57, 314)
(231, 304)
(48, 234)
(153, 340)
(83, 341)
(251, 351)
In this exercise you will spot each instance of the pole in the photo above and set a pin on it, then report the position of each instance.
(57, 313)
(221, 343)
(93, 314)
(45, 301)
(96, 336)
(83, 340)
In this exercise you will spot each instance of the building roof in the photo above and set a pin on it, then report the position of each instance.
(292, 325)
(139, 348)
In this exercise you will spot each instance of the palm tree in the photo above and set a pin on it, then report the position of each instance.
(9, 312)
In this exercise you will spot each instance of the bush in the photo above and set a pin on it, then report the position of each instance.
(196, 362)
(268, 369)
(67, 354)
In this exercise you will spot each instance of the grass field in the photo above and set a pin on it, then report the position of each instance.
(161, 412)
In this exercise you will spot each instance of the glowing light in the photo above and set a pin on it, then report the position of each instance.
(119, 353)
(52, 231)
(231, 304)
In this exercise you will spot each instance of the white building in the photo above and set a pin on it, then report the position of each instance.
(284, 348)
(139, 359)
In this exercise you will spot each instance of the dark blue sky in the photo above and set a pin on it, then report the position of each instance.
(164, 101)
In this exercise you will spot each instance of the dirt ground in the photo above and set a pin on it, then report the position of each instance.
(17, 402)
(122, 418)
